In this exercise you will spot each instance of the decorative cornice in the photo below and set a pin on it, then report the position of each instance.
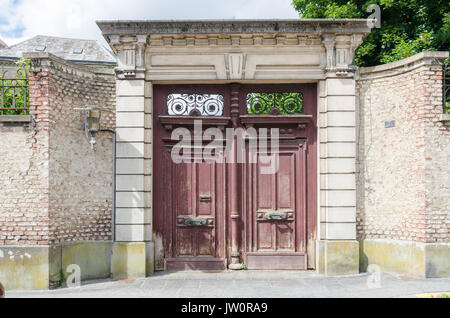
(234, 41)
(315, 26)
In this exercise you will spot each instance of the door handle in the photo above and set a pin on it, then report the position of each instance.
(276, 216)
(195, 222)
(205, 198)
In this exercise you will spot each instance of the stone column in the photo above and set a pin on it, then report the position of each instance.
(338, 250)
(133, 247)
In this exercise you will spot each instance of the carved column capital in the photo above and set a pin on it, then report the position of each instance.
(130, 51)
(141, 45)
(356, 41)
(340, 52)
(329, 41)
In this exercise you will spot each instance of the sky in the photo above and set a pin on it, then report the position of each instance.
(23, 19)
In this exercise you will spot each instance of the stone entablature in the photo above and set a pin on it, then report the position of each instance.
(235, 50)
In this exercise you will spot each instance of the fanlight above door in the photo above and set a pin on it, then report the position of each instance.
(274, 103)
(195, 104)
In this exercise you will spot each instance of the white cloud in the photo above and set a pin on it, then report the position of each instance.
(76, 18)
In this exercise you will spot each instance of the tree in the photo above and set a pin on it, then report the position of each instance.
(407, 26)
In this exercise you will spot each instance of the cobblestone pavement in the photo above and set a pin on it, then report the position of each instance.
(248, 284)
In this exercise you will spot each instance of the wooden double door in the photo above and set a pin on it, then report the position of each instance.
(242, 189)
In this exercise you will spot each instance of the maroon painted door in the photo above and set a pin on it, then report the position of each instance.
(194, 212)
(190, 196)
(209, 214)
(277, 210)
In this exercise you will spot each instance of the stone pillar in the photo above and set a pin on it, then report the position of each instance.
(133, 250)
(338, 250)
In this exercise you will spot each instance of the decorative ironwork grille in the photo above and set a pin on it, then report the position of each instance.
(275, 103)
(195, 104)
(446, 87)
(14, 96)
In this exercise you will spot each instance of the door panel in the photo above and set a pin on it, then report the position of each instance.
(194, 212)
(278, 210)
(194, 197)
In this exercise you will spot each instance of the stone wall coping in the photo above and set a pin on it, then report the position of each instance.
(54, 245)
(16, 118)
(315, 26)
(48, 56)
(406, 64)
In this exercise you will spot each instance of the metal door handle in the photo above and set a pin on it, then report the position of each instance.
(276, 216)
(205, 198)
(195, 222)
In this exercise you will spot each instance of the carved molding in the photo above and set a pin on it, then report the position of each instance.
(234, 40)
(243, 56)
(236, 65)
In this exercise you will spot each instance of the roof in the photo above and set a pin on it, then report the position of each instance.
(65, 48)
(2, 44)
(317, 26)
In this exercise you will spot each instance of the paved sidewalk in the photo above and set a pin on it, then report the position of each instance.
(247, 284)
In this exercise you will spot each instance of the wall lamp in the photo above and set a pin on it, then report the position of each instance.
(91, 123)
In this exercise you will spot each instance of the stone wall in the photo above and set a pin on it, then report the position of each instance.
(56, 199)
(24, 195)
(404, 170)
(403, 162)
(56, 188)
(80, 179)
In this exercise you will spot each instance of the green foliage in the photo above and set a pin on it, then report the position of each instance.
(401, 47)
(62, 279)
(15, 91)
(326, 9)
(407, 26)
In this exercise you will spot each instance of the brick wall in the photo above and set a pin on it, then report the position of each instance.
(55, 189)
(404, 172)
(24, 191)
(80, 179)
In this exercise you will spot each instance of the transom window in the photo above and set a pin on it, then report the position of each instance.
(195, 104)
(274, 103)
